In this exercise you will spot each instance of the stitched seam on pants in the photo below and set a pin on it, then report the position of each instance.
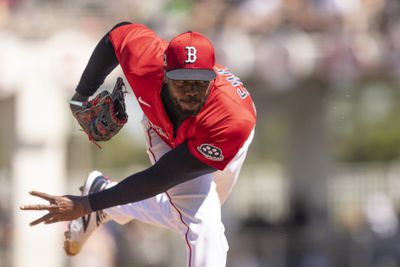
(173, 205)
(187, 231)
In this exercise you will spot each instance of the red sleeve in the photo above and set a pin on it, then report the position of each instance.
(138, 49)
(216, 146)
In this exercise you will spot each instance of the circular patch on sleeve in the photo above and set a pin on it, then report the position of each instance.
(211, 152)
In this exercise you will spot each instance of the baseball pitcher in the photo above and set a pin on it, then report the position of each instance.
(198, 121)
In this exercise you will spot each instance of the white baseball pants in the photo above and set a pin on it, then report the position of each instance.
(191, 209)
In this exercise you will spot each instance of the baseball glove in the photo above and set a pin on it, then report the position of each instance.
(104, 116)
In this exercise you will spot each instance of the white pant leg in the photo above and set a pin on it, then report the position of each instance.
(155, 210)
(227, 178)
(191, 209)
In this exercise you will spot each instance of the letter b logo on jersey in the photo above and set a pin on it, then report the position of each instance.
(191, 54)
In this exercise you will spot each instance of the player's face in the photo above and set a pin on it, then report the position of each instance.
(188, 96)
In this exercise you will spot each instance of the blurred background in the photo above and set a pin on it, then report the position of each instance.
(320, 187)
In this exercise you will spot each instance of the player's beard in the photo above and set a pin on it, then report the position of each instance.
(179, 106)
(173, 105)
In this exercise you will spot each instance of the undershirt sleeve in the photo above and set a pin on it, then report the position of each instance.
(175, 167)
(101, 63)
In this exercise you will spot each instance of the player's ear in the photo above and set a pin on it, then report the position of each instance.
(164, 62)
(164, 68)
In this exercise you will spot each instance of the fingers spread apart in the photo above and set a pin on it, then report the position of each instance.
(53, 204)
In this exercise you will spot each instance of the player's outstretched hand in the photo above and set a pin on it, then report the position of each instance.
(60, 208)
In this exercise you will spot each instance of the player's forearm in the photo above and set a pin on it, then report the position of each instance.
(134, 188)
(175, 167)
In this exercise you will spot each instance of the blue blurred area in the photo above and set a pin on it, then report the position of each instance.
(321, 184)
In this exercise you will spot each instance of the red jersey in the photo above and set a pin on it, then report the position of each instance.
(224, 123)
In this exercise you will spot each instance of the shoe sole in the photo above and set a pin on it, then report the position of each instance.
(72, 248)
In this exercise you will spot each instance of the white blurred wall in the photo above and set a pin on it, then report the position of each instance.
(39, 75)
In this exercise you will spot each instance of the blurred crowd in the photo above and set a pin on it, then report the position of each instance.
(284, 42)
(278, 42)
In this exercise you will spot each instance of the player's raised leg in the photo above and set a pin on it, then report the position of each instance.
(80, 229)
